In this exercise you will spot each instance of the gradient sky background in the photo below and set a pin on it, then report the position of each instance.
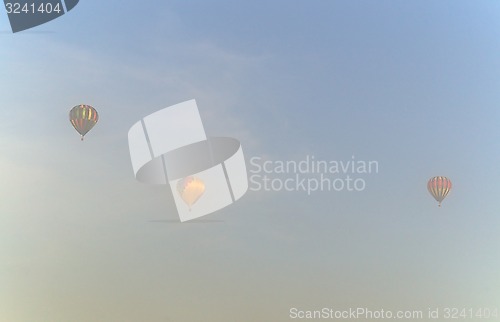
(411, 84)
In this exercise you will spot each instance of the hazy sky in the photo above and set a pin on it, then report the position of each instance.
(413, 85)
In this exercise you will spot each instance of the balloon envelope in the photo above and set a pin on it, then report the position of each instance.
(190, 190)
(83, 118)
(439, 187)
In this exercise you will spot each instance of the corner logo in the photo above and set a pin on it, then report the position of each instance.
(170, 146)
(26, 14)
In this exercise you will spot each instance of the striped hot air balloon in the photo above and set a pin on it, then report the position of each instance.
(439, 187)
(83, 118)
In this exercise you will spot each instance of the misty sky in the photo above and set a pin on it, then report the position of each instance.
(413, 85)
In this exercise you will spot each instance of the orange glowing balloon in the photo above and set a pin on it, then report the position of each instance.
(190, 190)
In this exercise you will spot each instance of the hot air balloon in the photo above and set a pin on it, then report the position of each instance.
(190, 190)
(83, 118)
(439, 187)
